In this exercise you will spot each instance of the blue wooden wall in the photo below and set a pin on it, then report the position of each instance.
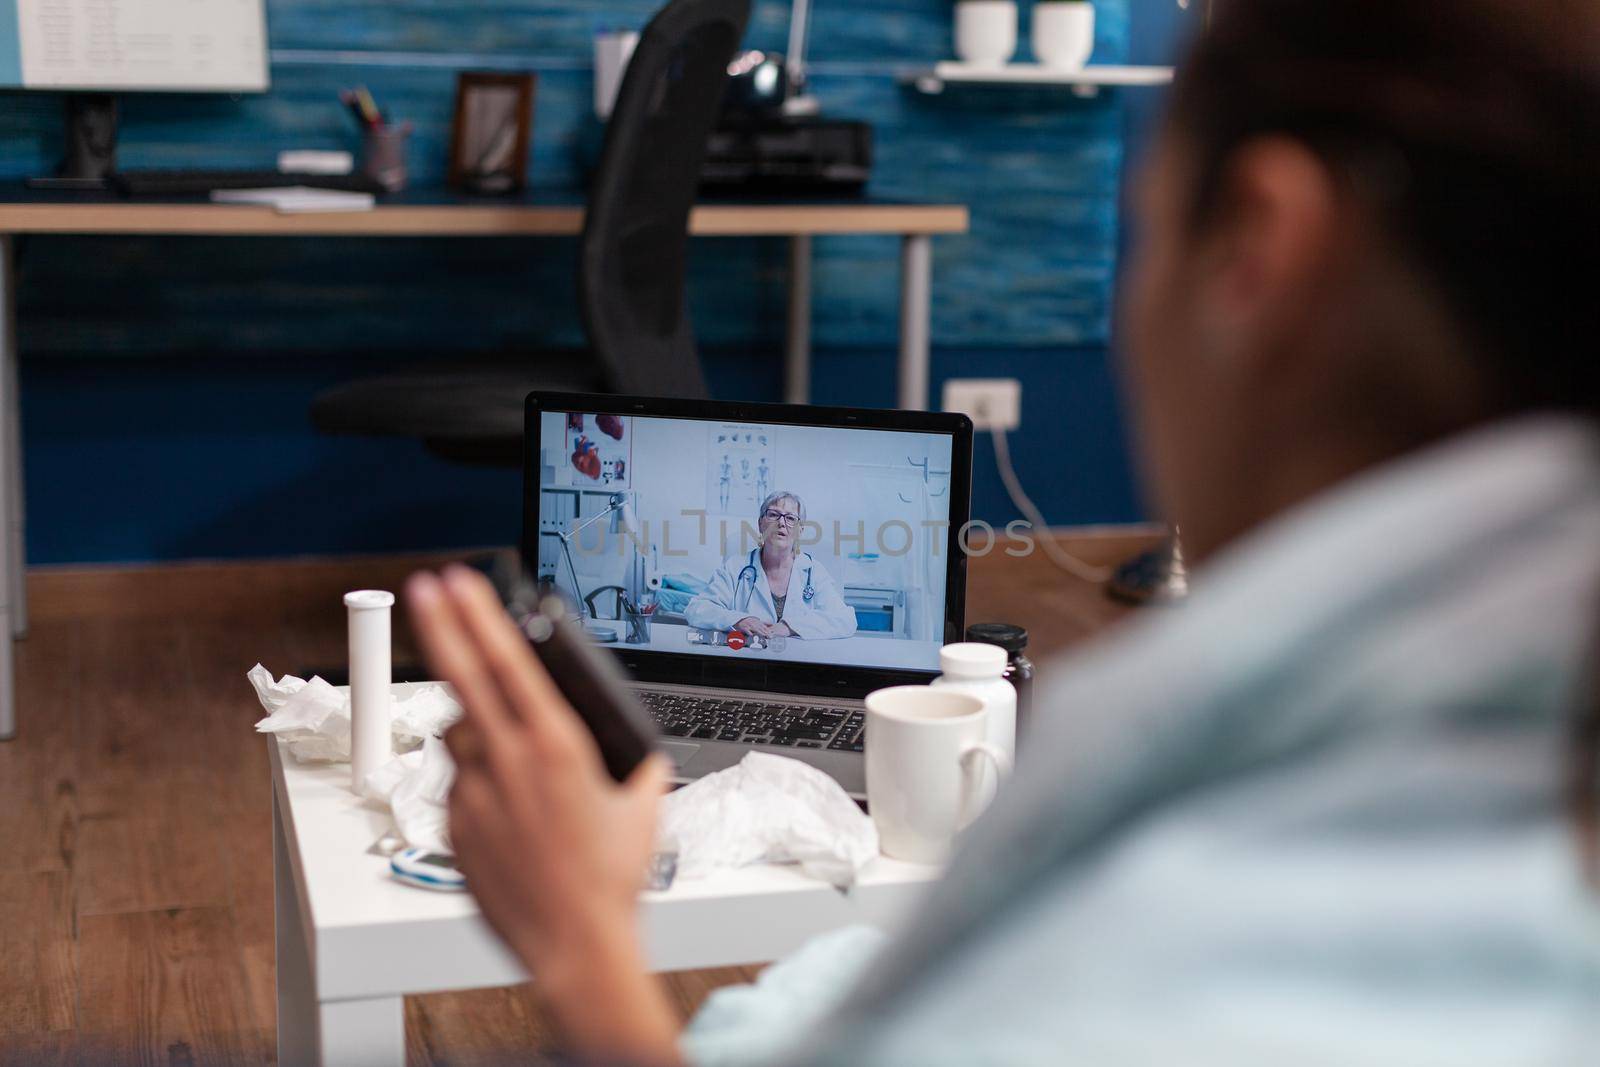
(1029, 287)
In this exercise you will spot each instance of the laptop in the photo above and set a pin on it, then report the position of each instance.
(758, 568)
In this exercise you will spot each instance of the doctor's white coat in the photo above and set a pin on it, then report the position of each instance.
(727, 600)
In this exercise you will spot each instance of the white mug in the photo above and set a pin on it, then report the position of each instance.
(986, 32)
(1063, 33)
(925, 753)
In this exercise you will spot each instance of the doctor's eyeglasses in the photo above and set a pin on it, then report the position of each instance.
(784, 517)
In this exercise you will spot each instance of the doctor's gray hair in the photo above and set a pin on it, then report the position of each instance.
(799, 506)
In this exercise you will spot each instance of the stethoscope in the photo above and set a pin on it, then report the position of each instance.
(750, 574)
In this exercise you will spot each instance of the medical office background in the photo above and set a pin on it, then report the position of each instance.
(166, 381)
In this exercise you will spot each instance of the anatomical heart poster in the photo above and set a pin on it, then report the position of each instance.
(599, 449)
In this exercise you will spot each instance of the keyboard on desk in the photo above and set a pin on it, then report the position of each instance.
(756, 722)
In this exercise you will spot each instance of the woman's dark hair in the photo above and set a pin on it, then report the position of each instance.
(1470, 129)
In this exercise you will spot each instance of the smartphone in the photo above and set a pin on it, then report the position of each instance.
(594, 685)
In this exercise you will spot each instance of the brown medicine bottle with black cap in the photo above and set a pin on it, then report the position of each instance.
(1019, 668)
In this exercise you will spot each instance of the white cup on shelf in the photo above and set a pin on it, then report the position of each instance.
(927, 762)
(986, 32)
(1063, 33)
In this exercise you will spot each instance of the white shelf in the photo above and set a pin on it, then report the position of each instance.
(1085, 81)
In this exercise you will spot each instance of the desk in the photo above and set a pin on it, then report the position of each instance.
(859, 650)
(428, 215)
(351, 941)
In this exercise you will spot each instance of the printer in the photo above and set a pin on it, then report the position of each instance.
(787, 154)
(770, 138)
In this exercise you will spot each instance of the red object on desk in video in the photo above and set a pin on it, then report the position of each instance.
(735, 639)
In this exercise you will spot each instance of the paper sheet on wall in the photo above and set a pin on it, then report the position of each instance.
(743, 468)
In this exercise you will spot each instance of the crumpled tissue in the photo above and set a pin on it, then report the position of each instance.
(768, 809)
(314, 717)
(416, 786)
(764, 809)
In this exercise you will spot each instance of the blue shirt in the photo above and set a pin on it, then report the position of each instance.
(1316, 815)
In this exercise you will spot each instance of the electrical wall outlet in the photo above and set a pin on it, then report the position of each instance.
(991, 403)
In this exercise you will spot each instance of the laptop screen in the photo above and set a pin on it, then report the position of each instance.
(802, 544)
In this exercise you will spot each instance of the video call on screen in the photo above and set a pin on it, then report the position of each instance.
(684, 510)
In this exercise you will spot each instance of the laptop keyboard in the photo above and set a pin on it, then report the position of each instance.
(756, 722)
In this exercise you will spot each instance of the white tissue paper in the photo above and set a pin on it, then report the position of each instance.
(765, 809)
(314, 717)
(416, 786)
(768, 809)
(426, 713)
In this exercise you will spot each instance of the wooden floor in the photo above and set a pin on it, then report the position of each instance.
(136, 892)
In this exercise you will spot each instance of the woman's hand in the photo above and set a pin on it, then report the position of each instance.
(554, 851)
(752, 625)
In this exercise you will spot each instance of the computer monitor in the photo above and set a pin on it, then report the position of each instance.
(92, 48)
(203, 46)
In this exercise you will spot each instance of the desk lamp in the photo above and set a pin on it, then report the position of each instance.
(771, 137)
(798, 101)
(620, 510)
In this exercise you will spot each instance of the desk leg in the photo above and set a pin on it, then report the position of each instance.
(916, 284)
(10, 593)
(297, 990)
(17, 553)
(363, 1033)
(360, 1033)
(797, 345)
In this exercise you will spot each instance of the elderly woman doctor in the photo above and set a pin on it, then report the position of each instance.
(776, 589)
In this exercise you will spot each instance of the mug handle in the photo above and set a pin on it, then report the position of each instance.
(996, 758)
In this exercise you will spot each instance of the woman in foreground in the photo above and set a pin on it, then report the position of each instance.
(1338, 808)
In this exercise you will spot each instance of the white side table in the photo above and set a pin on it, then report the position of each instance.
(351, 942)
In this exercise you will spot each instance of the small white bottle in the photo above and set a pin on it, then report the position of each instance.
(371, 743)
(979, 669)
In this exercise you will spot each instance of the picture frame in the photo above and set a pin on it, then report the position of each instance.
(492, 132)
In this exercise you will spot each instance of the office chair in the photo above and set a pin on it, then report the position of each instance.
(632, 258)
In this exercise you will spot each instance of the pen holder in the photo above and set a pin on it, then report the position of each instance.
(383, 155)
(638, 627)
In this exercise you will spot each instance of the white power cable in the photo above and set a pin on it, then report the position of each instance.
(1066, 561)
